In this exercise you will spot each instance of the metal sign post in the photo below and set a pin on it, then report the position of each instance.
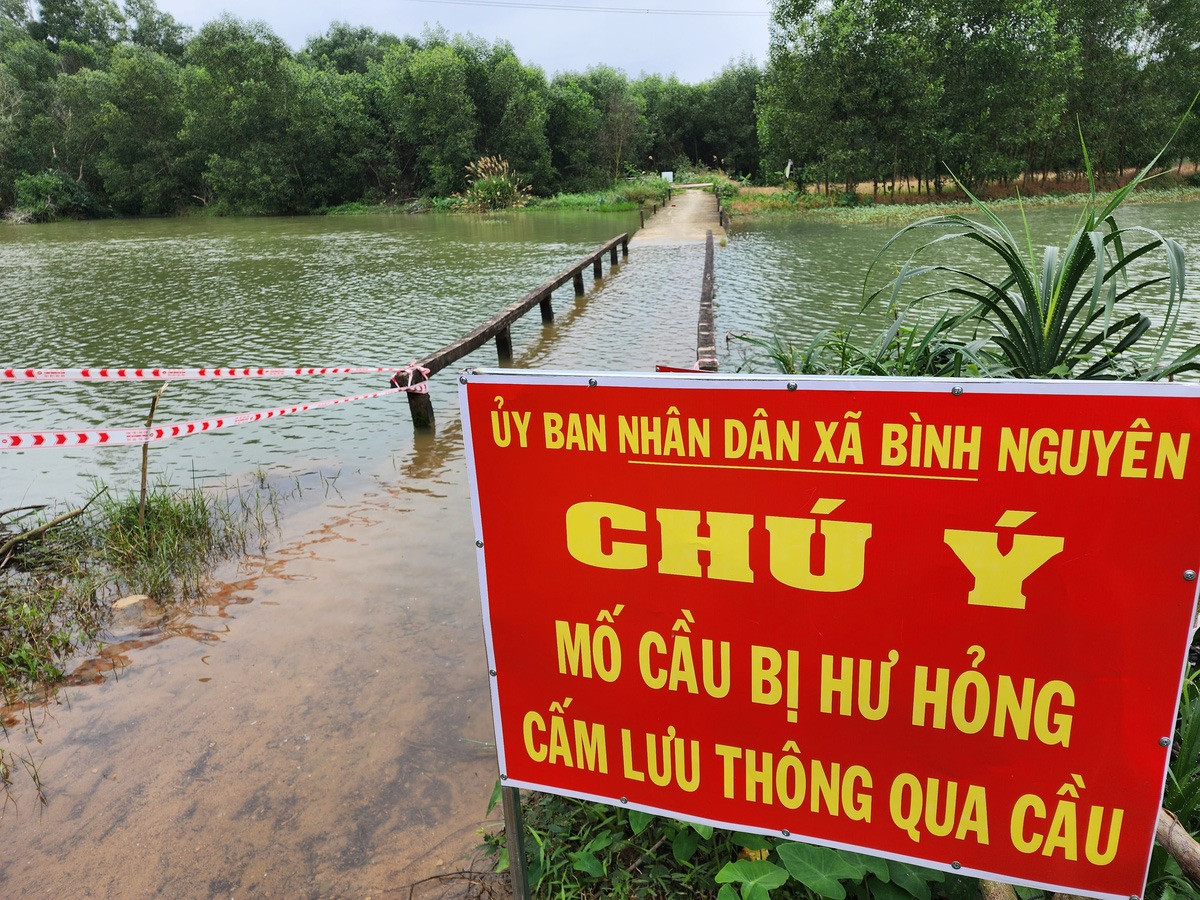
(514, 833)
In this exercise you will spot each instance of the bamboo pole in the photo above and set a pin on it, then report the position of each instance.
(146, 456)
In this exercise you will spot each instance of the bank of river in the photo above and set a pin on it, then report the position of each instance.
(319, 724)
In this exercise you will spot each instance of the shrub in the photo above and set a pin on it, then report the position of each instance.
(493, 184)
(52, 195)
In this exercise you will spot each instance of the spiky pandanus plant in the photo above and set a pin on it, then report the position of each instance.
(1066, 319)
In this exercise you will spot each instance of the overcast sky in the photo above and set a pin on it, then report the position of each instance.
(693, 39)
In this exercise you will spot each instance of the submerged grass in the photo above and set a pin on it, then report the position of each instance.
(818, 208)
(57, 586)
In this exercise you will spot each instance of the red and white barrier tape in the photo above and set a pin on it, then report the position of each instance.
(158, 374)
(22, 440)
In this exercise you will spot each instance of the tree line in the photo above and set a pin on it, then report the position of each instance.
(886, 91)
(121, 109)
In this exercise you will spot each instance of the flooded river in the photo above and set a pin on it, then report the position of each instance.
(318, 724)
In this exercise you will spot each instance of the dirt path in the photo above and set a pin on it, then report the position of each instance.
(686, 219)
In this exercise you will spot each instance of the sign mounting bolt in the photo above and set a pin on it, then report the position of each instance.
(956, 865)
(462, 379)
(956, 391)
(792, 385)
(1189, 575)
(1164, 742)
(592, 382)
(479, 544)
(786, 833)
(624, 799)
(492, 672)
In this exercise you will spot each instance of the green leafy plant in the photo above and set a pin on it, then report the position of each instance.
(493, 184)
(898, 351)
(589, 850)
(50, 195)
(1066, 317)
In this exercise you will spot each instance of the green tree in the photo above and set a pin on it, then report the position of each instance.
(424, 94)
(728, 111)
(1006, 66)
(80, 32)
(238, 90)
(1172, 42)
(346, 48)
(573, 121)
(148, 26)
(520, 94)
(140, 164)
(673, 113)
(622, 133)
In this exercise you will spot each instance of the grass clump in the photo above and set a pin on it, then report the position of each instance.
(624, 196)
(170, 552)
(493, 184)
(59, 576)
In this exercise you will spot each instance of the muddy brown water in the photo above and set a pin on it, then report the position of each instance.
(318, 724)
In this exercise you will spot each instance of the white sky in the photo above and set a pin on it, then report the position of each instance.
(557, 35)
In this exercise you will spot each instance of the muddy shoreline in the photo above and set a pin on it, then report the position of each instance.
(318, 726)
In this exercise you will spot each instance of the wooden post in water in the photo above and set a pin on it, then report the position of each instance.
(612, 255)
(504, 344)
(597, 267)
(499, 328)
(420, 407)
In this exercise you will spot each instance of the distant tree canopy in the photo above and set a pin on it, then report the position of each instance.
(110, 108)
(883, 90)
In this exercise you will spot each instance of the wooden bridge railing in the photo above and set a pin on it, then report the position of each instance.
(722, 214)
(498, 326)
(706, 339)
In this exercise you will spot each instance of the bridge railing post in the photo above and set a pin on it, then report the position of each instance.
(504, 344)
(498, 328)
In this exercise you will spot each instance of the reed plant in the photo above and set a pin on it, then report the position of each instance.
(493, 184)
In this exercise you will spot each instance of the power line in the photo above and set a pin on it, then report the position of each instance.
(570, 7)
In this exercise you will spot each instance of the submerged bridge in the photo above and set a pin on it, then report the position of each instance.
(687, 219)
